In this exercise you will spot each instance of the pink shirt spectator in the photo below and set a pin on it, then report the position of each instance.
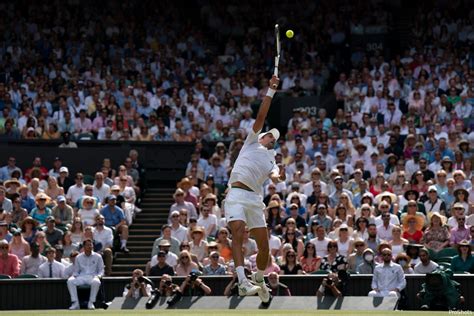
(10, 266)
(83, 126)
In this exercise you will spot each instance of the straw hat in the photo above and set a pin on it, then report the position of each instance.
(442, 218)
(178, 192)
(456, 192)
(273, 204)
(210, 196)
(42, 196)
(11, 182)
(197, 229)
(185, 182)
(349, 229)
(464, 243)
(379, 197)
(30, 220)
(419, 221)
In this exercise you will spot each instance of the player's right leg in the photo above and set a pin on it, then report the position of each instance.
(260, 234)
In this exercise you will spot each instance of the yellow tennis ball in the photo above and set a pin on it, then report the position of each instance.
(290, 33)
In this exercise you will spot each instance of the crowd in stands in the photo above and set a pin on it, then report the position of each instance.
(392, 169)
(47, 215)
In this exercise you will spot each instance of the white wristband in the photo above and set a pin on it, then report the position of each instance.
(270, 93)
(321, 289)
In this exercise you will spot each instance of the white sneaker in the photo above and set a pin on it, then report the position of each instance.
(248, 289)
(264, 292)
(90, 305)
(75, 305)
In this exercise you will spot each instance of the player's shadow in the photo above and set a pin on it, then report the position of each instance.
(235, 301)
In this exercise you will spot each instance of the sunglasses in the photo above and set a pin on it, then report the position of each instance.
(175, 216)
(215, 257)
(387, 255)
(162, 255)
(332, 246)
(4, 247)
(182, 258)
(290, 256)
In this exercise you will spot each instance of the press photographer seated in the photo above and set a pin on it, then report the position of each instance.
(194, 286)
(332, 285)
(137, 287)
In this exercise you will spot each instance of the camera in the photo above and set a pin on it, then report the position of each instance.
(168, 282)
(193, 276)
(329, 282)
(141, 279)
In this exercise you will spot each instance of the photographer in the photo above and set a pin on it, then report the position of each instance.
(194, 286)
(331, 286)
(137, 287)
(165, 289)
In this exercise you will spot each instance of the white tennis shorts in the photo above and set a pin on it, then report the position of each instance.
(245, 206)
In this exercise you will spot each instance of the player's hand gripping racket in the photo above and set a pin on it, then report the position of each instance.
(278, 48)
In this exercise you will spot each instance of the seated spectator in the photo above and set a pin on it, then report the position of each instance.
(277, 288)
(68, 245)
(344, 241)
(42, 242)
(105, 237)
(463, 261)
(171, 258)
(53, 190)
(30, 263)
(367, 266)
(214, 267)
(180, 203)
(53, 235)
(208, 221)
(19, 246)
(27, 202)
(333, 261)
(223, 244)
(51, 268)
(114, 217)
(41, 211)
(389, 279)
(88, 268)
(77, 231)
(294, 216)
(321, 241)
(63, 213)
(357, 257)
(161, 268)
(76, 191)
(405, 262)
(412, 226)
(137, 287)
(290, 237)
(185, 264)
(87, 211)
(425, 265)
(291, 264)
(178, 231)
(5, 232)
(310, 262)
(198, 244)
(18, 213)
(398, 243)
(436, 236)
(9, 263)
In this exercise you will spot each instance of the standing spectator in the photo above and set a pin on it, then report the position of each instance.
(425, 265)
(114, 217)
(9, 263)
(88, 268)
(51, 268)
(389, 279)
(76, 191)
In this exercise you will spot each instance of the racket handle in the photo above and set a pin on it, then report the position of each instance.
(275, 70)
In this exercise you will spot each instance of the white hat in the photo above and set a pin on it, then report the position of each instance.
(63, 169)
(273, 131)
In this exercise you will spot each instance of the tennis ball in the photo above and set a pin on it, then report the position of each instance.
(290, 33)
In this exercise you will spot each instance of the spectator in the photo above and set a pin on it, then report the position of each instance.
(463, 261)
(178, 231)
(53, 235)
(105, 237)
(5, 232)
(115, 218)
(425, 265)
(76, 191)
(27, 202)
(185, 264)
(63, 180)
(88, 268)
(51, 268)
(19, 246)
(9, 263)
(63, 213)
(6, 203)
(333, 261)
(436, 236)
(41, 211)
(100, 189)
(172, 242)
(208, 221)
(367, 266)
(30, 263)
(356, 258)
(180, 203)
(405, 262)
(389, 279)
(330, 286)
(198, 244)
(277, 288)
(214, 267)
(88, 211)
(161, 268)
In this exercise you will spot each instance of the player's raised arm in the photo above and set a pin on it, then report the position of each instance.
(265, 105)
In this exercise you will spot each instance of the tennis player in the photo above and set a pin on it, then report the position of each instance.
(244, 202)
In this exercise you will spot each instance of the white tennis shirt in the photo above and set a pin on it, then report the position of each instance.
(254, 164)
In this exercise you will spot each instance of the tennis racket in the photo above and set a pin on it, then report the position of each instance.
(278, 49)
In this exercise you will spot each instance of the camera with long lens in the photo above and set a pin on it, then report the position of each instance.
(329, 281)
(193, 276)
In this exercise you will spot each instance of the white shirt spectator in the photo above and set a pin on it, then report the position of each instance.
(321, 246)
(171, 259)
(57, 269)
(30, 265)
(393, 220)
(180, 233)
(207, 223)
(420, 268)
(101, 192)
(105, 236)
(75, 192)
(386, 278)
(88, 216)
(385, 233)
